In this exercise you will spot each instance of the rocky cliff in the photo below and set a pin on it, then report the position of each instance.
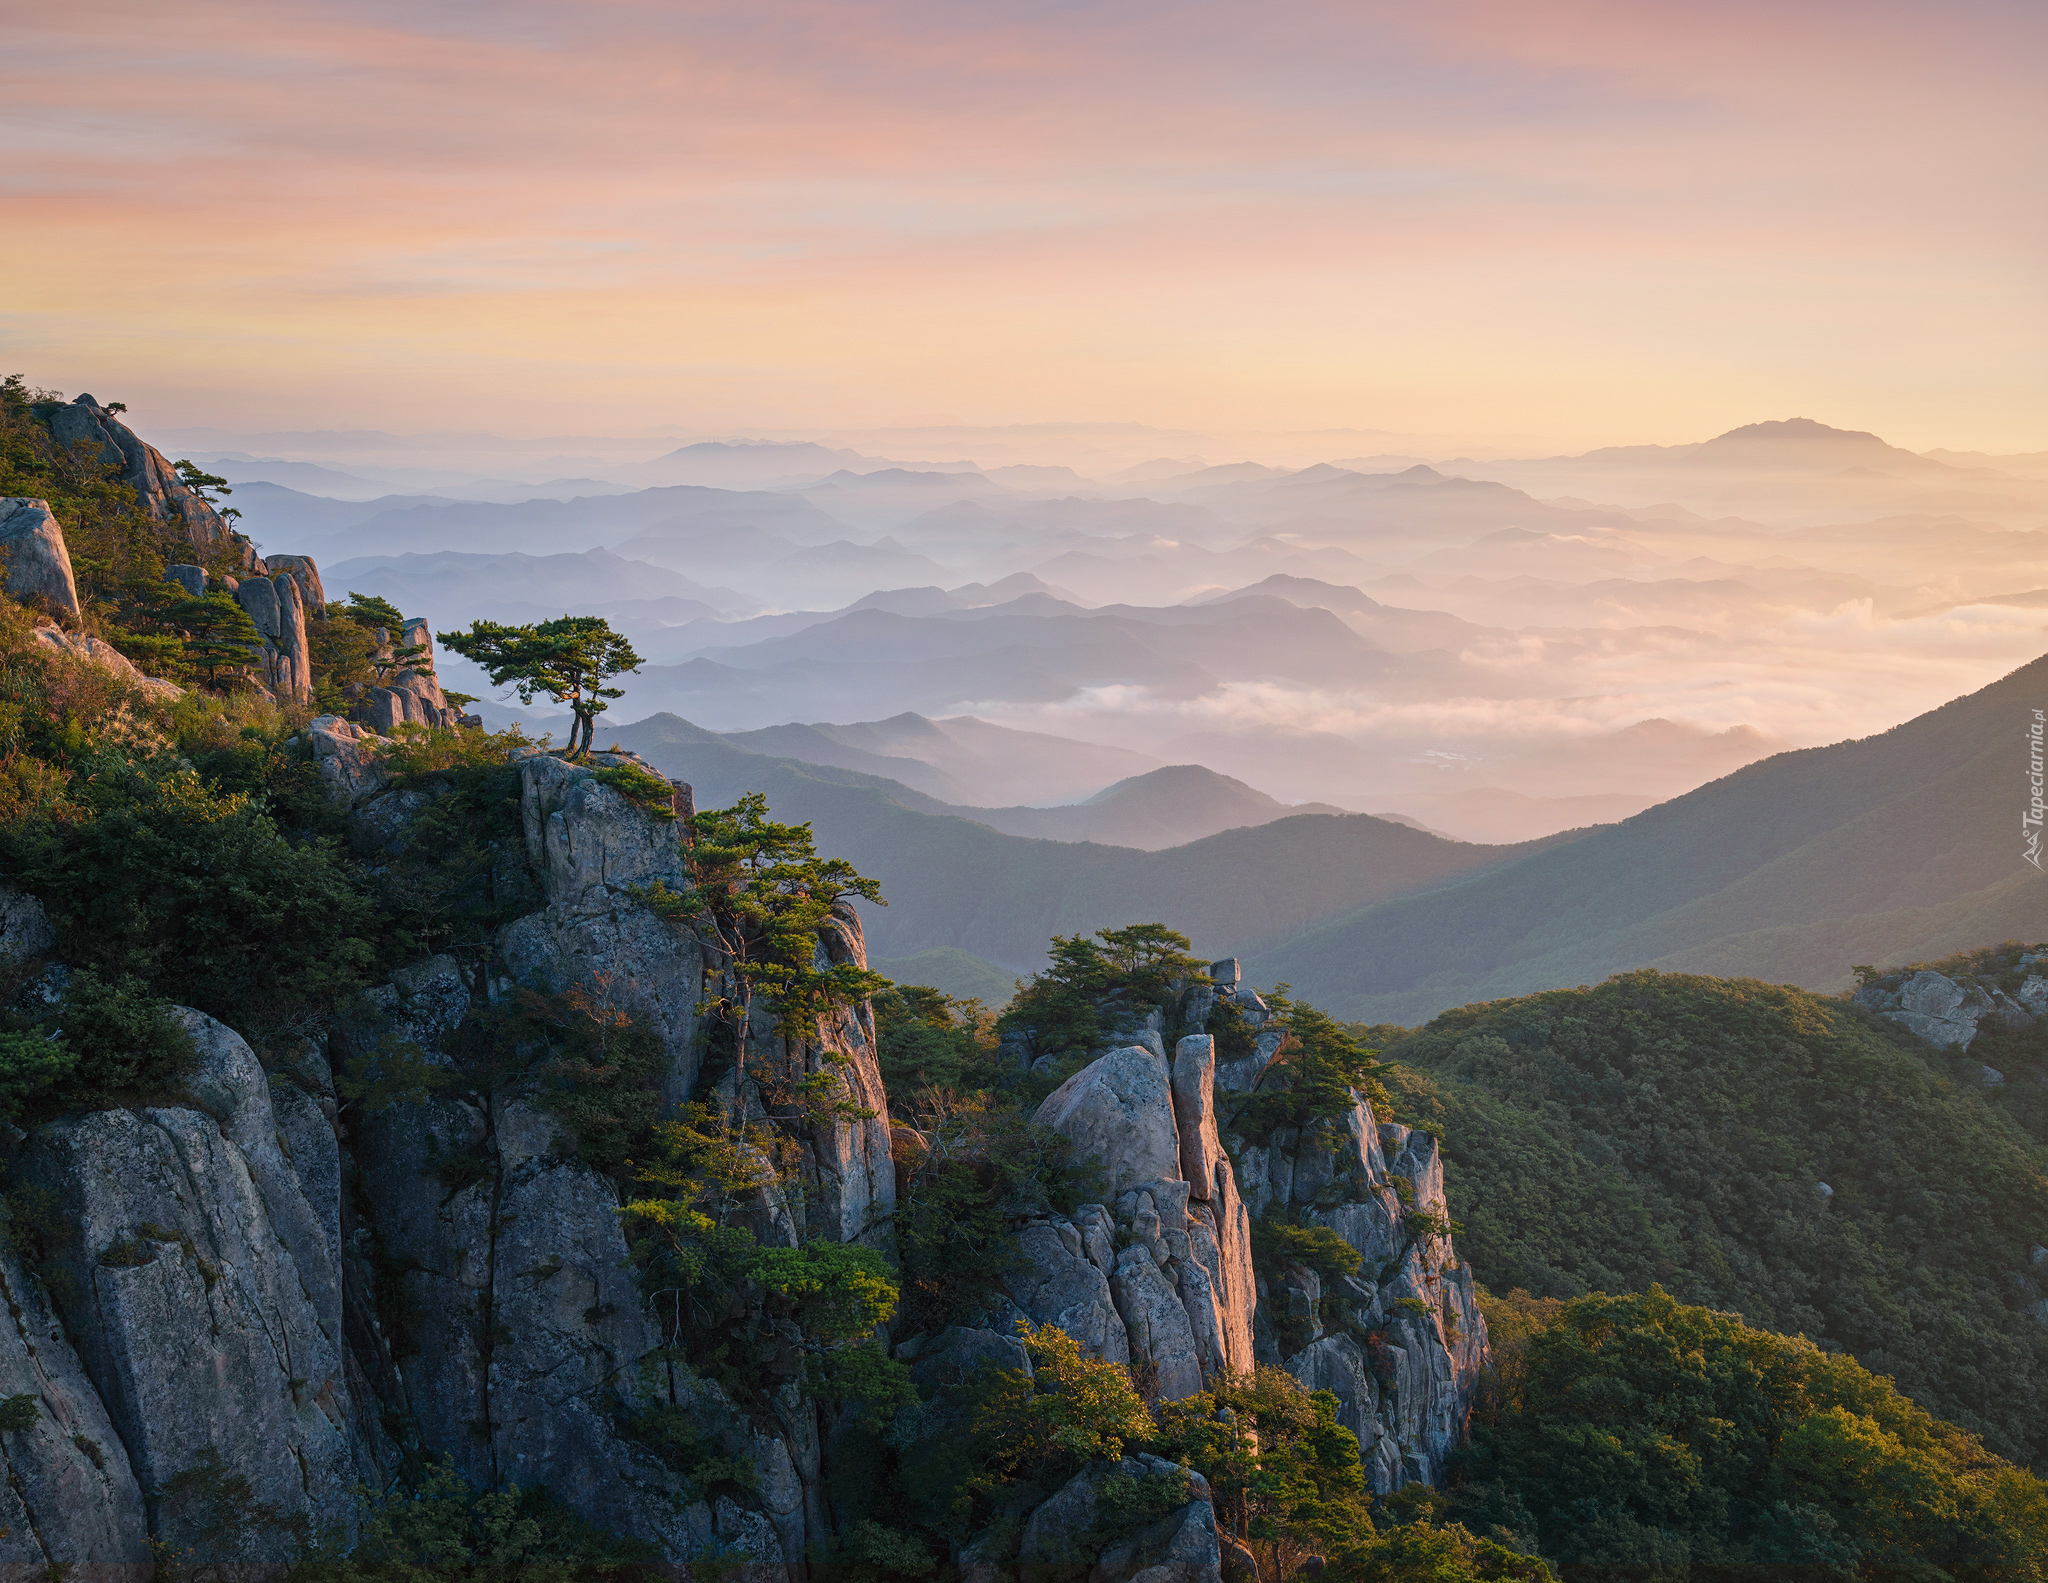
(241, 1301)
(1161, 1274)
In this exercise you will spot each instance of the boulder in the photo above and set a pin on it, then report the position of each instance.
(302, 570)
(346, 755)
(192, 579)
(1062, 1536)
(25, 932)
(1119, 1112)
(32, 548)
(1932, 1005)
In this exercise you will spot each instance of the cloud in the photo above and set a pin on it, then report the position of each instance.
(1639, 221)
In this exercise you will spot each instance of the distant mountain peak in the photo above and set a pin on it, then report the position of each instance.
(1796, 430)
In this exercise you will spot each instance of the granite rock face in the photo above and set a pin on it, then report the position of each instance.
(524, 1339)
(1119, 1110)
(277, 1278)
(596, 851)
(302, 570)
(37, 559)
(175, 1265)
(1193, 1309)
(87, 427)
(1061, 1539)
(69, 1493)
(276, 605)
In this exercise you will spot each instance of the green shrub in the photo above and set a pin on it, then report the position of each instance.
(926, 1040)
(33, 1064)
(20, 1412)
(1320, 1072)
(869, 1552)
(102, 1042)
(972, 1169)
(198, 894)
(442, 1528)
(656, 795)
(1131, 970)
(1277, 1243)
(125, 1038)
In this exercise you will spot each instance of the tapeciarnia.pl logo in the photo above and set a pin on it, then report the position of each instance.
(2037, 807)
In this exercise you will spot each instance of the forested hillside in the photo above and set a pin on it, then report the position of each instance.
(1753, 1148)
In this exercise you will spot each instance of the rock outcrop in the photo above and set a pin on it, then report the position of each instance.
(87, 428)
(288, 1283)
(97, 651)
(1062, 1536)
(306, 573)
(198, 1286)
(596, 852)
(276, 607)
(1401, 1343)
(1948, 1010)
(37, 560)
(346, 756)
(412, 695)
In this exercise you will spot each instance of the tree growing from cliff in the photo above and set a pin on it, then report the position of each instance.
(1137, 965)
(761, 898)
(569, 659)
(1285, 1474)
(207, 486)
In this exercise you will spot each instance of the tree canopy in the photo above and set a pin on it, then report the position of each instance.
(569, 659)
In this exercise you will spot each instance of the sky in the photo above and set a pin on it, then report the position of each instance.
(1531, 226)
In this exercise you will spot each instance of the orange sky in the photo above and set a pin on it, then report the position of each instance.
(1555, 224)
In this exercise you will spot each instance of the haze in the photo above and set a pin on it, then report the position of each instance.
(1184, 384)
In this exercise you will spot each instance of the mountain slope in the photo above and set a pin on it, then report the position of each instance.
(952, 882)
(1893, 845)
(1163, 808)
(1679, 1130)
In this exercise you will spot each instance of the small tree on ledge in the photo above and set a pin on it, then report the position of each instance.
(569, 659)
